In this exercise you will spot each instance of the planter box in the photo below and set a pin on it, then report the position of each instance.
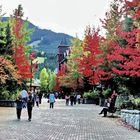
(90, 101)
(7, 103)
(131, 117)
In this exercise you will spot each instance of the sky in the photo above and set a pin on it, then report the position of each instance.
(65, 16)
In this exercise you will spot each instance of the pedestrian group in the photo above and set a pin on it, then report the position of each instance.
(27, 100)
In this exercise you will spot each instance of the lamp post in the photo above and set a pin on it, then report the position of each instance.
(31, 73)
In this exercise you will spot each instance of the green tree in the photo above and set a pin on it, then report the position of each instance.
(52, 81)
(2, 36)
(44, 80)
(9, 45)
(73, 79)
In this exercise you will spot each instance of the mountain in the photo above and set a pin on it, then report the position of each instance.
(47, 41)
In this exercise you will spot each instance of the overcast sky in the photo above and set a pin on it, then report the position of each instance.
(67, 16)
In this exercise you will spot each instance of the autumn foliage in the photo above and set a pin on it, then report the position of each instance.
(89, 62)
(21, 59)
(60, 73)
(127, 57)
(8, 71)
(117, 54)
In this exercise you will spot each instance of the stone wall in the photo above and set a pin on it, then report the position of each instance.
(131, 117)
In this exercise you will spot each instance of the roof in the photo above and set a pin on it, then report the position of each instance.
(63, 43)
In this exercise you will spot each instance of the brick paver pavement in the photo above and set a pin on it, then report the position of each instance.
(80, 122)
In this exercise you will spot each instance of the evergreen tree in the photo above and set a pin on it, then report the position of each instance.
(9, 46)
(2, 35)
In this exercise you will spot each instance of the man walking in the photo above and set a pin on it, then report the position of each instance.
(30, 105)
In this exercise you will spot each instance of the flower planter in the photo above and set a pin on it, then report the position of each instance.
(7, 103)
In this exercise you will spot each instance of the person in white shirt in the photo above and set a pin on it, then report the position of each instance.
(24, 96)
(78, 98)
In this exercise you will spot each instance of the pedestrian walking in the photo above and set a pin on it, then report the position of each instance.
(67, 98)
(30, 105)
(24, 96)
(75, 99)
(33, 93)
(40, 97)
(37, 100)
(51, 99)
(71, 99)
(56, 94)
(78, 98)
(19, 105)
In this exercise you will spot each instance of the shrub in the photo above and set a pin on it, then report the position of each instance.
(91, 95)
(121, 101)
(7, 95)
(137, 103)
(123, 90)
(107, 92)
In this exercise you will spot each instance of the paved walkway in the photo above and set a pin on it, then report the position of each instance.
(80, 122)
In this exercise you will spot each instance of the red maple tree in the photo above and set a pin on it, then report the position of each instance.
(122, 57)
(60, 73)
(21, 60)
(126, 58)
(89, 61)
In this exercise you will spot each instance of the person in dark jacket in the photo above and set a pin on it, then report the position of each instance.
(30, 102)
(19, 105)
(71, 99)
(40, 97)
(110, 107)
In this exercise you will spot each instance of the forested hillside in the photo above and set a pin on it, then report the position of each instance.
(47, 41)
